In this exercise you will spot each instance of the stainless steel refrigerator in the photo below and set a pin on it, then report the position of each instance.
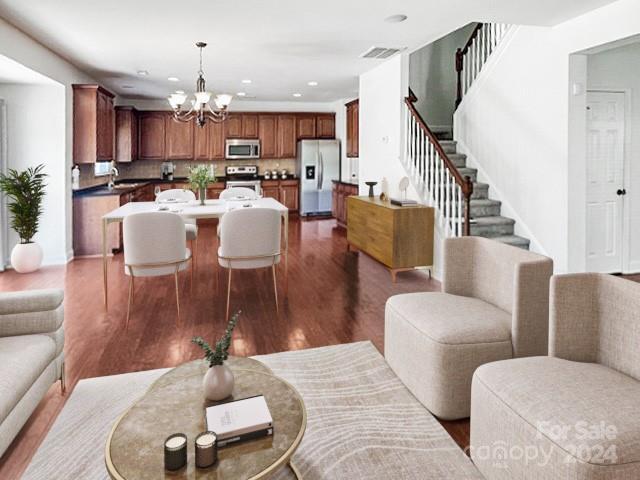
(319, 164)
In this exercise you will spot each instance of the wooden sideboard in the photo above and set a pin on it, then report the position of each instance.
(401, 238)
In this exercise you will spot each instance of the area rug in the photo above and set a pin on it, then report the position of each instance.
(362, 422)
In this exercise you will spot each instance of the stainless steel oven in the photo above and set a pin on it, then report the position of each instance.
(243, 176)
(242, 149)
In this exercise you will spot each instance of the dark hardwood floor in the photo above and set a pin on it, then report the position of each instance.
(334, 297)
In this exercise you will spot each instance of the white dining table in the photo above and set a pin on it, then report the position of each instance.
(190, 210)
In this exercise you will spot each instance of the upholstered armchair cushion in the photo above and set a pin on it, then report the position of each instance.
(512, 279)
(596, 318)
(31, 311)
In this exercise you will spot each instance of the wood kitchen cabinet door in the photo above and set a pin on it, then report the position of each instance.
(286, 136)
(306, 126)
(216, 141)
(267, 133)
(105, 126)
(151, 133)
(179, 139)
(233, 126)
(126, 134)
(202, 137)
(271, 189)
(326, 126)
(353, 117)
(249, 125)
(289, 195)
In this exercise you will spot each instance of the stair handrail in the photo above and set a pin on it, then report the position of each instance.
(464, 182)
(483, 40)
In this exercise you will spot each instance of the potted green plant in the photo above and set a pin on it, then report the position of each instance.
(25, 189)
(218, 381)
(200, 177)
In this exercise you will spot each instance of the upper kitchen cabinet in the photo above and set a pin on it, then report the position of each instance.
(179, 139)
(126, 134)
(93, 124)
(249, 125)
(287, 140)
(353, 130)
(306, 126)
(209, 142)
(151, 135)
(326, 126)
(233, 126)
(267, 133)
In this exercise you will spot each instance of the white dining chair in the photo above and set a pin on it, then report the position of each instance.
(240, 193)
(154, 245)
(249, 239)
(191, 226)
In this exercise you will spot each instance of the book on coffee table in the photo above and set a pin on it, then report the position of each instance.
(403, 202)
(240, 420)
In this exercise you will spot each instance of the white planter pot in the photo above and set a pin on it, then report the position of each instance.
(218, 383)
(26, 257)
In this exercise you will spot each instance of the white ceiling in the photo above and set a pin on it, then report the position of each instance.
(278, 44)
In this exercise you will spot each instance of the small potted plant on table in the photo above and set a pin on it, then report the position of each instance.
(200, 177)
(26, 189)
(218, 381)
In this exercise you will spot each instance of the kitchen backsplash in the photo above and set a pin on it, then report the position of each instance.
(151, 169)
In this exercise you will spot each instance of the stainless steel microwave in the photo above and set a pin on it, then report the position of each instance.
(241, 149)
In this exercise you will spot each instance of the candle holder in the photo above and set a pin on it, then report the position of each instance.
(206, 446)
(175, 451)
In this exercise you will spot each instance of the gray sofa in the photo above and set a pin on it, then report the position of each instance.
(493, 306)
(31, 356)
(574, 414)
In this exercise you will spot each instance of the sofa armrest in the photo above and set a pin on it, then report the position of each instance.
(32, 311)
(573, 322)
(457, 265)
(530, 323)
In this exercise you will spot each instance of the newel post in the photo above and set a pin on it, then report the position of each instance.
(459, 67)
(468, 191)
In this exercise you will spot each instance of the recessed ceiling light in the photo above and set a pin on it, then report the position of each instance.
(297, 95)
(180, 92)
(173, 79)
(396, 18)
(246, 81)
(241, 94)
(312, 84)
(143, 73)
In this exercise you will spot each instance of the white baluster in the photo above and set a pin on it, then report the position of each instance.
(447, 200)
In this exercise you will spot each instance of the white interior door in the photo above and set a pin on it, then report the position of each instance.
(605, 180)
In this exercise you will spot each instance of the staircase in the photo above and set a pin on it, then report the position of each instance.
(485, 219)
(440, 174)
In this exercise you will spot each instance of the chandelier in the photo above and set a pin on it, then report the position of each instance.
(200, 109)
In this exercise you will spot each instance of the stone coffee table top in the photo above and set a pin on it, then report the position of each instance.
(175, 403)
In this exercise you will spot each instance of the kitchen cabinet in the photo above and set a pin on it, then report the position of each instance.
(289, 192)
(326, 126)
(208, 141)
(267, 133)
(215, 189)
(340, 192)
(306, 126)
(233, 125)
(249, 125)
(271, 189)
(179, 139)
(151, 135)
(126, 134)
(93, 124)
(353, 129)
(287, 141)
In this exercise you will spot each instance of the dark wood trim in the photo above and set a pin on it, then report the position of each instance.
(92, 86)
(352, 102)
(460, 53)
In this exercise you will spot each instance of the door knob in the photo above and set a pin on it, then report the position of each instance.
(621, 191)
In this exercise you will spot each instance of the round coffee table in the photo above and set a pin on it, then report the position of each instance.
(175, 403)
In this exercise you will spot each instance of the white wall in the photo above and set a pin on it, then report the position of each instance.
(36, 134)
(619, 69)
(25, 50)
(433, 77)
(515, 124)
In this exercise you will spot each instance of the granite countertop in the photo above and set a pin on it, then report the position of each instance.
(347, 182)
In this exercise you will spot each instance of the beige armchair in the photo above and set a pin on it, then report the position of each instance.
(576, 412)
(31, 356)
(493, 306)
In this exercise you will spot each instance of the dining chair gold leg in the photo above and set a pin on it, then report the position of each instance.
(177, 296)
(228, 293)
(63, 379)
(275, 286)
(130, 299)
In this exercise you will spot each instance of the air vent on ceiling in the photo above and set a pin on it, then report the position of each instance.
(380, 52)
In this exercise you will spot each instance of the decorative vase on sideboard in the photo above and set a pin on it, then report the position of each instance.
(26, 257)
(218, 383)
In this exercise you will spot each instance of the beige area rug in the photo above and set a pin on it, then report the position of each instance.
(362, 422)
